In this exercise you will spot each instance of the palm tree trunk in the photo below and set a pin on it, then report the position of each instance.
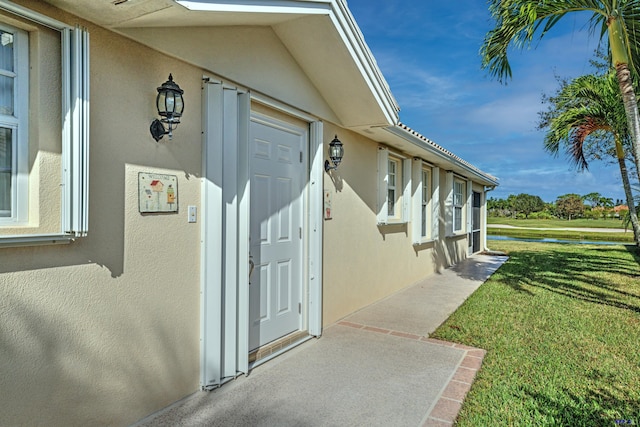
(631, 108)
(620, 61)
(627, 191)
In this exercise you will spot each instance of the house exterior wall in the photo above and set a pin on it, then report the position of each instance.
(253, 57)
(364, 262)
(105, 330)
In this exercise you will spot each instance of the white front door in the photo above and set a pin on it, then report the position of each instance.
(276, 218)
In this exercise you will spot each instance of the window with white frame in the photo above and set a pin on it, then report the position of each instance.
(14, 108)
(392, 187)
(68, 81)
(394, 192)
(425, 187)
(458, 205)
(425, 202)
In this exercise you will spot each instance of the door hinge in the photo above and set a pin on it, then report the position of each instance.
(300, 232)
(299, 308)
(301, 157)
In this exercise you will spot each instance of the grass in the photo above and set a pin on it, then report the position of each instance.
(557, 223)
(561, 326)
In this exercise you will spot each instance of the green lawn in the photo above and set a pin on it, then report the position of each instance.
(561, 326)
(557, 223)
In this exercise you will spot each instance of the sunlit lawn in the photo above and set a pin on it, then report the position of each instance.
(561, 324)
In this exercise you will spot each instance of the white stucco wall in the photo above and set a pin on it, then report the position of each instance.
(106, 330)
(253, 57)
(364, 262)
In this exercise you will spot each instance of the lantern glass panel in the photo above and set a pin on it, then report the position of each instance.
(336, 152)
(170, 102)
(179, 105)
(160, 104)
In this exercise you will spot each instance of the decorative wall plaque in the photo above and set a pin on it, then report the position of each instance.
(157, 192)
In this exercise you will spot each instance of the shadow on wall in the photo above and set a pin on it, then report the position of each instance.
(386, 229)
(336, 179)
(57, 378)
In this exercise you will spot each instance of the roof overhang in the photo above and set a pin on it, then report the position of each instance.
(405, 139)
(321, 35)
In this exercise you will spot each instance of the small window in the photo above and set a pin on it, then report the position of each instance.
(21, 222)
(394, 192)
(426, 191)
(425, 202)
(14, 109)
(392, 189)
(457, 211)
(458, 205)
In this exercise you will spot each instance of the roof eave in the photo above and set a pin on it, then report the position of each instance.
(451, 161)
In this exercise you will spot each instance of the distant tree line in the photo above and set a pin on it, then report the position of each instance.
(568, 206)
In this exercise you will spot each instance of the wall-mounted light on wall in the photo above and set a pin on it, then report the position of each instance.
(336, 151)
(170, 106)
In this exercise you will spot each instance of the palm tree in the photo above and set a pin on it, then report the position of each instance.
(519, 21)
(587, 110)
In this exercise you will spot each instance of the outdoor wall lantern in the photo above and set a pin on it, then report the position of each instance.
(170, 106)
(336, 151)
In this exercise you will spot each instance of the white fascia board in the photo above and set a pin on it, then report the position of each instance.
(355, 42)
(309, 7)
(480, 176)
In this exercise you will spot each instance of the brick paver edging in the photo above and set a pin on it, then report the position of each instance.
(445, 409)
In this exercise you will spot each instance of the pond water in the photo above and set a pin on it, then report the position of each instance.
(549, 240)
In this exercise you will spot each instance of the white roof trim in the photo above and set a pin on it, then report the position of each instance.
(321, 7)
(426, 144)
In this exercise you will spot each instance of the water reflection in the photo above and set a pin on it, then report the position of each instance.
(550, 240)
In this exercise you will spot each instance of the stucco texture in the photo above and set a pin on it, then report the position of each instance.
(106, 330)
(363, 261)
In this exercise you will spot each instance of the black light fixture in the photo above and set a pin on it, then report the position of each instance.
(336, 151)
(170, 106)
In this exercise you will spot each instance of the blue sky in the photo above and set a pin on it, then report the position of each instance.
(428, 52)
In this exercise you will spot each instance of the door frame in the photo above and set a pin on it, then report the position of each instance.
(224, 307)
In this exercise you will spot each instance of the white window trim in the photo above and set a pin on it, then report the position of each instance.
(433, 205)
(460, 206)
(450, 206)
(75, 132)
(404, 187)
(19, 125)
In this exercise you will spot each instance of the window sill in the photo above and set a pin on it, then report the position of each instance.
(393, 222)
(15, 241)
(457, 234)
(424, 242)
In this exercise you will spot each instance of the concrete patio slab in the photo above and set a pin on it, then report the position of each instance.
(376, 368)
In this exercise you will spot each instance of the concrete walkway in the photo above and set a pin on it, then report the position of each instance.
(376, 367)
